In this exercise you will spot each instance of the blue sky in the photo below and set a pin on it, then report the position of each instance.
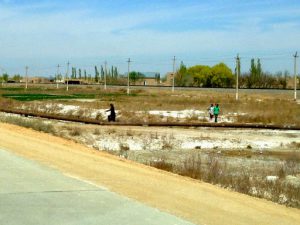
(42, 34)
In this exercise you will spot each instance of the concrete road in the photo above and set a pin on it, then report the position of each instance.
(31, 193)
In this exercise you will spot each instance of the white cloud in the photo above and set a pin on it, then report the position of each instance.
(28, 33)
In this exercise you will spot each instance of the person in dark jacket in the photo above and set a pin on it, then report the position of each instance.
(216, 112)
(112, 116)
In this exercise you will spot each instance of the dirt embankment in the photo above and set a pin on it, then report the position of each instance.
(196, 201)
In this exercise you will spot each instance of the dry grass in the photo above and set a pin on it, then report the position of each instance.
(75, 131)
(162, 164)
(38, 125)
(254, 106)
(213, 168)
(97, 131)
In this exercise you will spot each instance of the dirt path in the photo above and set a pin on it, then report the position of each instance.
(195, 201)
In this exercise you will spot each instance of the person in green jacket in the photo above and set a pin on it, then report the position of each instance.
(216, 112)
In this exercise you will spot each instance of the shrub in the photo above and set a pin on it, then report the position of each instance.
(75, 131)
(97, 131)
(162, 164)
(192, 166)
(29, 123)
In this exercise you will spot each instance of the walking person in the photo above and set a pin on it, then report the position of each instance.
(216, 112)
(211, 112)
(112, 116)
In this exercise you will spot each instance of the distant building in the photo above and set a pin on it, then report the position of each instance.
(291, 83)
(35, 80)
(169, 79)
(150, 79)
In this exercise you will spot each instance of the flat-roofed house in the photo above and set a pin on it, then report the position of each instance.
(150, 79)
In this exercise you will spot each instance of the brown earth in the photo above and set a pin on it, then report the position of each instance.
(198, 202)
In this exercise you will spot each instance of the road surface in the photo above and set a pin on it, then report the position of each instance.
(31, 193)
(191, 200)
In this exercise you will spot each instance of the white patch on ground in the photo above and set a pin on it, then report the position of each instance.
(209, 144)
(204, 139)
(178, 114)
(211, 139)
(65, 109)
(68, 109)
(84, 100)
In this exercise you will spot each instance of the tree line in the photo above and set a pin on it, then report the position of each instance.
(5, 77)
(217, 76)
(221, 76)
(112, 74)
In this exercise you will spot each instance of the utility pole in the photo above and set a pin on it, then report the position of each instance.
(238, 67)
(26, 75)
(3, 71)
(295, 71)
(129, 61)
(57, 73)
(68, 64)
(105, 71)
(173, 85)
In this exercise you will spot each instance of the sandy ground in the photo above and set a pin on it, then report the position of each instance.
(198, 202)
(153, 138)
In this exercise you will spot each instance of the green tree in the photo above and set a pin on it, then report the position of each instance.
(5, 77)
(17, 78)
(79, 73)
(73, 73)
(221, 76)
(116, 73)
(96, 74)
(201, 75)
(256, 78)
(258, 69)
(135, 76)
(102, 73)
(181, 76)
(157, 77)
(85, 76)
(259, 74)
(253, 74)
